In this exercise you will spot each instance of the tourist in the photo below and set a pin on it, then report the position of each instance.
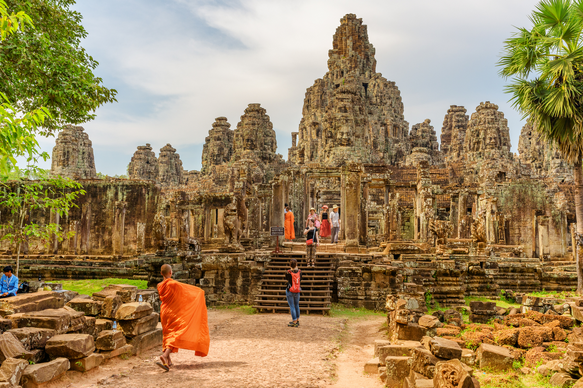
(184, 318)
(292, 292)
(290, 233)
(335, 221)
(311, 216)
(325, 228)
(311, 233)
(8, 283)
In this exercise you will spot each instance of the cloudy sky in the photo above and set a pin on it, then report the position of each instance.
(178, 64)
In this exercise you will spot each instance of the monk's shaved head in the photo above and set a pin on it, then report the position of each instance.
(166, 270)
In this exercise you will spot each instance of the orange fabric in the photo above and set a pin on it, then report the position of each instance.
(290, 233)
(184, 317)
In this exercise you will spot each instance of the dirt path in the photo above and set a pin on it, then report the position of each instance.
(253, 351)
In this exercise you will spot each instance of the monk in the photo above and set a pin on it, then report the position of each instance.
(290, 233)
(184, 318)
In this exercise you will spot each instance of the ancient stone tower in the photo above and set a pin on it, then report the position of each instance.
(73, 154)
(144, 164)
(424, 145)
(488, 135)
(453, 132)
(169, 167)
(254, 137)
(218, 145)
(352, 114)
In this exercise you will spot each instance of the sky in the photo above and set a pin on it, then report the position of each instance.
(179, 64)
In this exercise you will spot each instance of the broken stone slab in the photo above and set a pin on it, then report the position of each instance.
(494, 357)
(71, 346)
(11, 371)
(397, 370)
(452, 374)
(136, 327)
(398, 350)
(37, 374)
(468, 357)
(126, 350)
(134, 310)
(372, 366)
(67, 295)
(33, 337)
(430, 322)
(87, 363)
(126, 292)
(110, 340)
(89, 326)
(5, 324)
(11, 347)
(533, 336)
(110, 305)
(61, 320)
(423, 362)
(150, 296)
(146, 341)
(87, 306)
(562, 380)
(24, 303)
(103, 324)
(444, 348)
(483, 307)
(410, 332)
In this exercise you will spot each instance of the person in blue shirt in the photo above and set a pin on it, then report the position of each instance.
(8, 283)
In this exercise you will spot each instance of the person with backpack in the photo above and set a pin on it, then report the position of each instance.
(292, 292)
(311, 234)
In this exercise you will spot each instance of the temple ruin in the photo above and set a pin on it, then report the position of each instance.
(463, 216)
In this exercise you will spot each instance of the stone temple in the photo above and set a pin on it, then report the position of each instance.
(458, 216)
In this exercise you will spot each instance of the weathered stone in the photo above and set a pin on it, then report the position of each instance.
(423, 362)
(127, 350)
(444, 348)
(429, 321)
(372, 366)
(61, 320)
(397, 370)
(11, 347)
(494, 357)
(134, 310)
(37, 374)
(530, 337)
(398, 350)
(110, 305)
(12, 370)
(144, 164)
(452, 374)
(378, 344)
(145, 341)
(103, 324)
(71, 346)
(73, 154)
(126, 292)
(24, 303)
(110, 340)
(468, 357)
(561, 380)
(506, 337)
(138, 326)
(33, 337)
(151, 297)
(86, 306)
(87, 363)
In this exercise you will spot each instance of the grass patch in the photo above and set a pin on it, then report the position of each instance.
(500, 303)
(338, 310)
(553, 294)
(245, 309)
(89, 286)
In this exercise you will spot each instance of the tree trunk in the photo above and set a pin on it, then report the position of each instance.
(578, 176)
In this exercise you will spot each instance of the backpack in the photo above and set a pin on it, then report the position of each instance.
(295, 288)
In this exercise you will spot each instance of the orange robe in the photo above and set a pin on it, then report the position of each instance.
(184, 317)
(290, 233)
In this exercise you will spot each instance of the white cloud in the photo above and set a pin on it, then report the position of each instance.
(180, 64)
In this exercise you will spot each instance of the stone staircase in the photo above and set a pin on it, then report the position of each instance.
(316, 284)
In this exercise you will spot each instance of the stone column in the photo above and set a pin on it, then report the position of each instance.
(351, 197)
(86, 228)
(363, 213)
(277, 207)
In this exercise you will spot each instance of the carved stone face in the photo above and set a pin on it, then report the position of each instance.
(249, 144)
(492, 141)
(346, 132)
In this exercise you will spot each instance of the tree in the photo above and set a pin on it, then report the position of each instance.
(48, 195)
(46, 66)
(546, 63)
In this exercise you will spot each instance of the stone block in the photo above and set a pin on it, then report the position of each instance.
(423, 362)
(506, 337)
(138, 326)
(103, 324)
(444, 348)
(110, 305)
(67, 295)
(378, 344)
(410, 332)
(481, 318)
(61, 320)
(12, 370)
(5, 324)
(150, 296)
(24, 303)
(87, 363)
(134, 310)
(11, 347)
(429, 321)
(533, 336)
(71, 346)
(483, 307)
(561, 380)
(87, 306)
(37, 374)
(468, 357)
(494, 357)
(110, 340)
(33, 337)
(372, 366)
(89, 326)
(124, 350)
(397, 370)
(399, 350)
(452, 374)
(126, 292)
(146, 341)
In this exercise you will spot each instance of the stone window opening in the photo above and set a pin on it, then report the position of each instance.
(365, 85)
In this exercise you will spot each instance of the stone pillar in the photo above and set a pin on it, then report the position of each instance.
(119, 228)
(543, 236)
(351, 199)
(86, 228)
(363, 213)
(454, 215)
(277, 207)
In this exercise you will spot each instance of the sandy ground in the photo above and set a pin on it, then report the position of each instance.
(253, 351)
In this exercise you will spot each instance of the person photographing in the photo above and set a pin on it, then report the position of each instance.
(294, 277)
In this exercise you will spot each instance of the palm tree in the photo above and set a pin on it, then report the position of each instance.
(546, 66)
